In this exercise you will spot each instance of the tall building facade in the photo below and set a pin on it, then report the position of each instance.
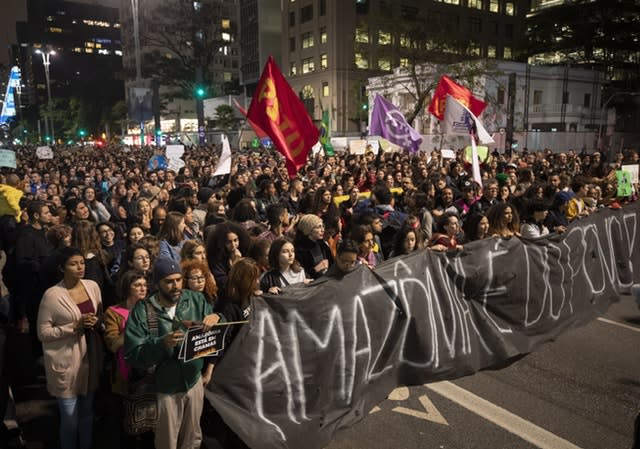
(85, 39)
(260, 37)
(330, 47)
(600, 35)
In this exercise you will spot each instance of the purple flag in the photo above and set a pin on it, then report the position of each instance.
(387, 121)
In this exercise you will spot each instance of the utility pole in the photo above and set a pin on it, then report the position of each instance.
(47, 62)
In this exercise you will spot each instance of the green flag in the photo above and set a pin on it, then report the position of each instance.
(325, 135)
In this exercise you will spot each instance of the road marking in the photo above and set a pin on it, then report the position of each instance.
(399, 394)
(375, 410)
(617, 323)
(518, 426)
(431, 413)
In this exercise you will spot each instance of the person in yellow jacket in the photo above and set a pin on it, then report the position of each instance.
(10, 196)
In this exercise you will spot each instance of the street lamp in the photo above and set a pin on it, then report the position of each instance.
(45, 61)
(602, 117)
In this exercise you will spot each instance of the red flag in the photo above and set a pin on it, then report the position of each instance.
(259, 132)
(447, 86)
(277, 110)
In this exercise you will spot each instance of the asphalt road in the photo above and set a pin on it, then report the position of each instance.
(581, 391)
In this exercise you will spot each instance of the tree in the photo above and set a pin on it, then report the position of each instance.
(184, 40)
(225, 118)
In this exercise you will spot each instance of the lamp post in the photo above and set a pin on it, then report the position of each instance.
(602, 119)
(46, 62)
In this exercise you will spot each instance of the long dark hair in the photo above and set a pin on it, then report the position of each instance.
(169, 230)
(274, 255)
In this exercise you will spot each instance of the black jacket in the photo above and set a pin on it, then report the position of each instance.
(309, 253)
(32, 248)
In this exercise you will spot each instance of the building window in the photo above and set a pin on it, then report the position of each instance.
(565, 97)
(491, 51)
(587, 101)
(500, 95)
(323, 35)
(508, 30)
(384, 38)
(324, 61)
(293, 70)
(362, 35)
(226, 37)
(307, 40)
(292, 18)
(227, 76)
(475, 24)
(362, 6)
(404, 62)
(474, 49)
(537, 97)
(384, 64)
(506, 54)
(361, 61)
(308, 65)
(494, 5)
(386, 9)
(494, 27)
(306, 13)
(55, 30)
(477, 4)
(226, 24)
(409, 12)
(323, 7)
(510, 9)
(405, 41)
(325, 89)
(292, 44)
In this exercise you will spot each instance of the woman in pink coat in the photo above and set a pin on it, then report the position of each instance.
(68, 320)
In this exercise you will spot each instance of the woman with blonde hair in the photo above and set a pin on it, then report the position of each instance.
(193, 249)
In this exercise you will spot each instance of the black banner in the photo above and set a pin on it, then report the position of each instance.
(318, 358)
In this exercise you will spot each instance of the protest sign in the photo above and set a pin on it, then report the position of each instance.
(623, 179)
(318, 358)
(44, 152)
(358, 146)
(199, 343)
(7, 158)
(448, 154)
(174, 151)
(157, 162)
(633, 169)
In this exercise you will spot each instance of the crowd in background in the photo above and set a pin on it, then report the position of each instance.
(102, 215)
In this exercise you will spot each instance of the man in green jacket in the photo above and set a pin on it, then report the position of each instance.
(179, 384)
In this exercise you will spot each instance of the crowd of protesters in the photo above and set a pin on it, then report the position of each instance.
(90, 234)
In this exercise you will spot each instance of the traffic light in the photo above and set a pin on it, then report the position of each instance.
(82, 133)
(200, 91)
(365, 106)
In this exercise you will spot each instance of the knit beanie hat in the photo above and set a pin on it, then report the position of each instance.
(307, 223)
(164, 267)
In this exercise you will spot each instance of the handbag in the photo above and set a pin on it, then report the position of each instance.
(141, 404)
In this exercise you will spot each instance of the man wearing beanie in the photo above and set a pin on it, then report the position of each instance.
(179, 384)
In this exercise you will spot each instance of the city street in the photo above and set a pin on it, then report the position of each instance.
(581, 391)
